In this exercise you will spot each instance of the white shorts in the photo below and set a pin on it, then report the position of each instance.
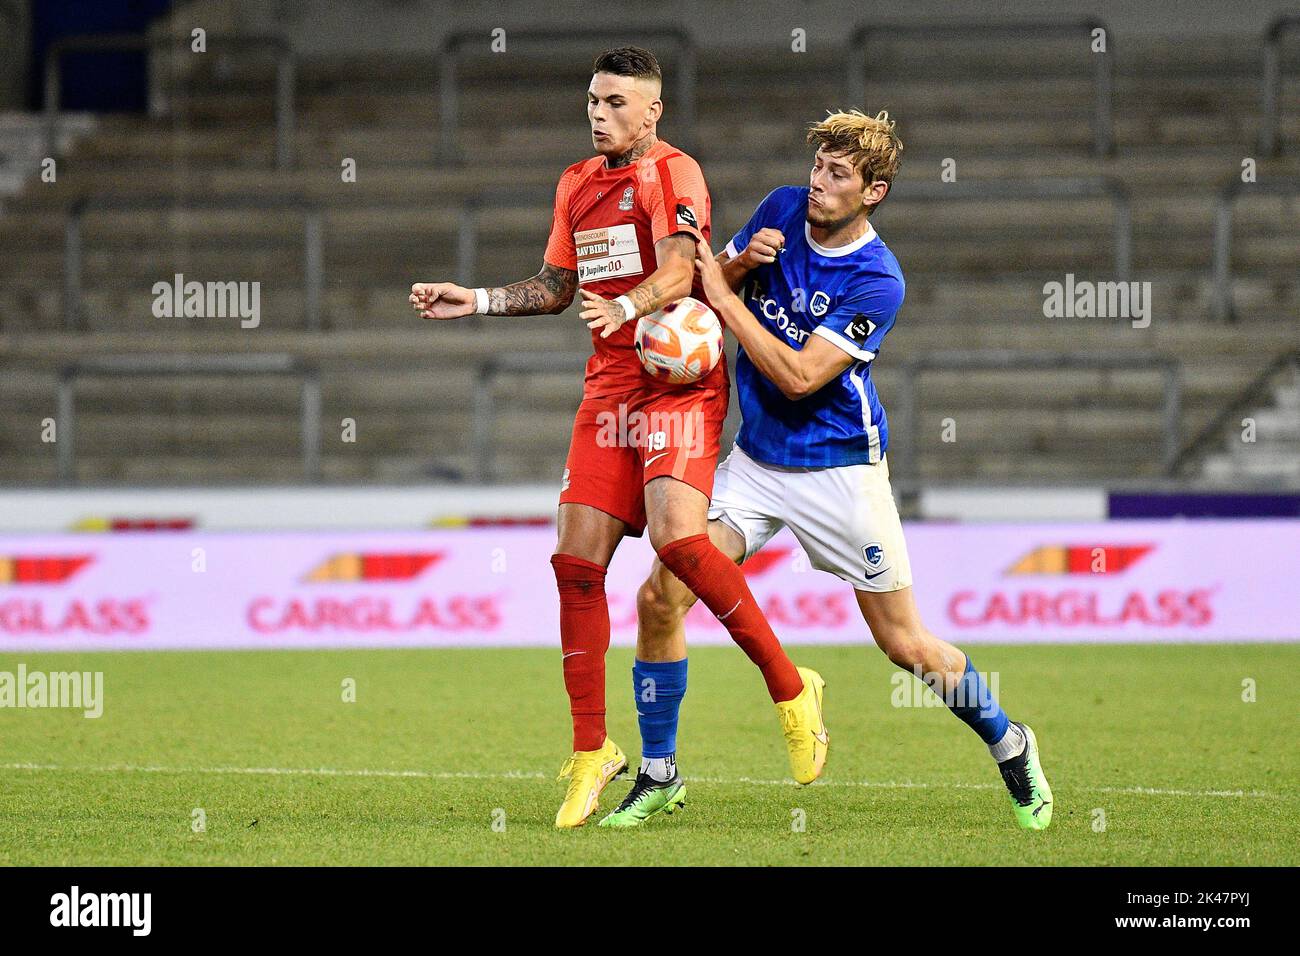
(844, 517)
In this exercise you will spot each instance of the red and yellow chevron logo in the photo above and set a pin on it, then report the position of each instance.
(18, 569)
(357, 566)
(134, 524)
(1080, 559)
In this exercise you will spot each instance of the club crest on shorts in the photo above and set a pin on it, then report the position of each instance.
(625, 204)
(874, 555)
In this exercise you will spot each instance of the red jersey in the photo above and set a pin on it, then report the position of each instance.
(605, 227)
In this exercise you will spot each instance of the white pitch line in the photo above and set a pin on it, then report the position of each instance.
(275, 771)
(537, 775)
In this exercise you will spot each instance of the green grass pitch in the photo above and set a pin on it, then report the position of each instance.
(449, 756)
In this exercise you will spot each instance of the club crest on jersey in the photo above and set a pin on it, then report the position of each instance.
(860, 329)
(819, 303)
(686, 216)
(874, 555)
(625, 204)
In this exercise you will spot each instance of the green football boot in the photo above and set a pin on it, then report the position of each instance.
(1031, 797)
(646, 798)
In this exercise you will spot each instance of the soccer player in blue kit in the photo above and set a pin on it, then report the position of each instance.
(820, 292)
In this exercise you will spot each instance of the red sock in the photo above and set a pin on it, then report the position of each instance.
(715, 580)
(584, 637)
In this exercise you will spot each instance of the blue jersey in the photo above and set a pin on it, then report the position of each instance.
(848, 295)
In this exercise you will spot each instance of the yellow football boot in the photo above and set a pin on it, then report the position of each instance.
(588, 771)
(805, 730)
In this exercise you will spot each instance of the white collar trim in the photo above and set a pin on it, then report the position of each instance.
(834, 252)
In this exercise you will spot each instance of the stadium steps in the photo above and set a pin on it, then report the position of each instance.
(975, 269)
(372, 214)
(1085, 416)
(1192, 174)
(203, 153)
(1275, 451)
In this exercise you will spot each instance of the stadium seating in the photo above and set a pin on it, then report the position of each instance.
(1186, 116)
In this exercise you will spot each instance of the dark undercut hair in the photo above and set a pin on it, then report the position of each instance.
(628, 61)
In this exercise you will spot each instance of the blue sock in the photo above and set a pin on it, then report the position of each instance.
(658, 689)
(973, 702)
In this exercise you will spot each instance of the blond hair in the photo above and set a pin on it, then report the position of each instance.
(869, 142)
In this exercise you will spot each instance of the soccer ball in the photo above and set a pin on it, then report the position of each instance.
(681, 343)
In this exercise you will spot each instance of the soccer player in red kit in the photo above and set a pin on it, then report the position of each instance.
(624, 231)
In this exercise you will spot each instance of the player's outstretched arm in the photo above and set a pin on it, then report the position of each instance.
(548, 292)
(668, 283)
(797, 373)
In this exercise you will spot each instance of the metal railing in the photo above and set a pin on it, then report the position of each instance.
(1270, 140)
(1221, 269)
(117, 366)
(217, 43)
(681, 111)
(74, 316)
(469, 223)
(908, 418)
(1046, 188)
(468, 237)
(1103, 69)
(484, 410)
(1254, 392)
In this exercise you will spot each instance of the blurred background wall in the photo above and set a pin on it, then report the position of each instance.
(326, 162)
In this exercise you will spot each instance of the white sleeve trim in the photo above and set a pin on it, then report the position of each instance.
(848, 345)
(731, 249)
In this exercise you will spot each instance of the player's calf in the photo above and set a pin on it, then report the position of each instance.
(707, 572)
(665, 599)
(661, 605)
(584, 639)
(677, 516)
(658, 688)
(896, 627)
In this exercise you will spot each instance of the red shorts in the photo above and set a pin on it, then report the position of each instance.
(621, 442)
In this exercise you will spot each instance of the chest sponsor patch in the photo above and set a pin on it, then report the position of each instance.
(607, 253)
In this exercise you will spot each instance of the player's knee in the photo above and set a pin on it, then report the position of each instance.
(578, 579)
(670, 528)
(902, 647)
(657, 612)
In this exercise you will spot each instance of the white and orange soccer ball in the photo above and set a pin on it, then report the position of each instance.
(682, 342)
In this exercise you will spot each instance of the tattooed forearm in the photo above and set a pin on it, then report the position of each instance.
(672, 280)
(648, 297)
(546, 293)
